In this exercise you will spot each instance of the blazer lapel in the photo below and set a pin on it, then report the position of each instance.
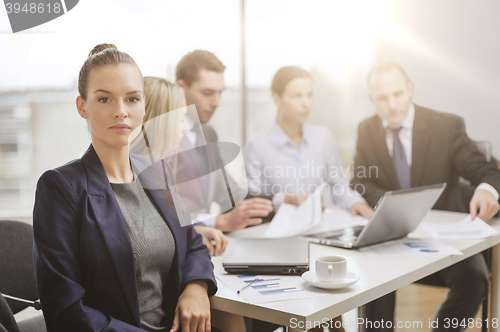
(420, 146)
(382, 152)
(113, 229)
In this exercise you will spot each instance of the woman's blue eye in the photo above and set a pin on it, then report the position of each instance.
(133, 99)
(104, 100)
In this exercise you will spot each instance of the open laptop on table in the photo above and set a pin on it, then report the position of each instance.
(397, 213)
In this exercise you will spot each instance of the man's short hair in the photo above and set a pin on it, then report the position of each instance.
(191, 64)
(384, 68)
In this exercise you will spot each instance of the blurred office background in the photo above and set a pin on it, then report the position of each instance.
(450, 49)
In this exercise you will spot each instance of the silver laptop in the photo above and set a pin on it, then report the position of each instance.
(285, 256)
(397, 213)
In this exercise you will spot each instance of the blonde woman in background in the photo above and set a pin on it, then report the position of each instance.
(164, 120)
(165, 102)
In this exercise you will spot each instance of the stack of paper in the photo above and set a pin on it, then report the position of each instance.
(464, 229)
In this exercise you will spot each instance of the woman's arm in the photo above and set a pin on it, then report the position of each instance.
(198, 284)
(214, 239)
(257, 172)
(56, 258)
(340, 190)
(197, 265)
(193, 308)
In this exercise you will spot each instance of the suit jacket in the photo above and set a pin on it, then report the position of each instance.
(441, 152)
(83, 256)
(195, 194)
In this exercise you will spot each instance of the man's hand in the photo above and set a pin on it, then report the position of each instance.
(193, 309)
(295, 199)
(213, 238)
(487, 205)
(241, 216)
(362, 210)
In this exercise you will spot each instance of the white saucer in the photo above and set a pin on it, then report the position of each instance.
(350, 279)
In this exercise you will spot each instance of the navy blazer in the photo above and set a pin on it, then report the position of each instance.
(84, 263)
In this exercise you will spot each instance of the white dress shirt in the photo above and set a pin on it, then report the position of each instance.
(405, 134)
(406, 138)
(275, 165)
(190, 133)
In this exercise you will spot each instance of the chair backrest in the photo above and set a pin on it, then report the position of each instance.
(7, 321)
(17, 275)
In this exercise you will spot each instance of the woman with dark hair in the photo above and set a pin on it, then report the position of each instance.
(292, 158)
(111, 252)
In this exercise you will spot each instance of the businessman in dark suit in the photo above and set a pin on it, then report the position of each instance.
(201, 74)
(83, 255)
(412, 146)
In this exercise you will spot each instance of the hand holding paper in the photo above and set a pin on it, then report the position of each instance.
(291, 220)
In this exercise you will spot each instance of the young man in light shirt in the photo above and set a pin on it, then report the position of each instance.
(201, 75)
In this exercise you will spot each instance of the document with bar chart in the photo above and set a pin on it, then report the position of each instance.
(264, 288)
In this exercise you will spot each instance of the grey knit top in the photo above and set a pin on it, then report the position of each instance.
(153, 246)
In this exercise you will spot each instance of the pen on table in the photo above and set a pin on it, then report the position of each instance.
(249, 284)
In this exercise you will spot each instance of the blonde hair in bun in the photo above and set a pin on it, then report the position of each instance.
(100, 56)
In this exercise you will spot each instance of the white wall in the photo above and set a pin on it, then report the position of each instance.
(451, 52)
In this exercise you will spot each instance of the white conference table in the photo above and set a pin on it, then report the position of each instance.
(379, 276)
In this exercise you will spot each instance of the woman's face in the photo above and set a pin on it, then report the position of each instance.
(114, 105)
(296, 101)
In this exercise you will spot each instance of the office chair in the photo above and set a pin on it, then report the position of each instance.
(7, 321)
(486, 149)
(18, 275)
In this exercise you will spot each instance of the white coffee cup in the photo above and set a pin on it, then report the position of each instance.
(331, 269)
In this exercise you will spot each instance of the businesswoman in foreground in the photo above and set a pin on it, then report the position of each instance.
(110, 255)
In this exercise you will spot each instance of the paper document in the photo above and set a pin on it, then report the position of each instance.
(343, 217)
(410, 247)
(336, 219)
(270, 288)
(464, 229)
(291, 220)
